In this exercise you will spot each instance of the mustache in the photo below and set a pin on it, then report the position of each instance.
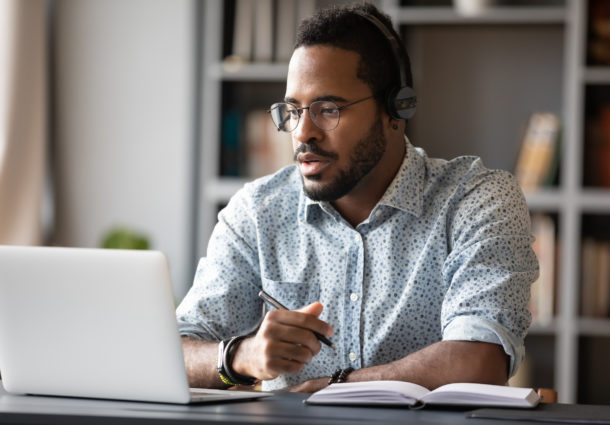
(313, 148)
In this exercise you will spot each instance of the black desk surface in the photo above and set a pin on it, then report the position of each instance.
(284, 408)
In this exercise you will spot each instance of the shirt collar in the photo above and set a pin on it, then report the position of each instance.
(309, 208)
(405, 192)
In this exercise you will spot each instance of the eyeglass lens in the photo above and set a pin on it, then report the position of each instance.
(324, 114)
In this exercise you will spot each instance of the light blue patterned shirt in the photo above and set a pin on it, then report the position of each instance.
(445, 255)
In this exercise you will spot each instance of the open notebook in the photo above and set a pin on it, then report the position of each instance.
(397, 393)
(93, 323)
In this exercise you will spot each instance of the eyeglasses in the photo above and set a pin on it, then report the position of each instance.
(324, 114)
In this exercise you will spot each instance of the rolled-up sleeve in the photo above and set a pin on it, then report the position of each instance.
(223, 300)
(491, 266)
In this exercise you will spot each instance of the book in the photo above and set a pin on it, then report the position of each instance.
(538, 158)
(266, 149)
(305, 8)
(524, 376)
(399, 393)
(595, 278)
(230, 158)
(243, 30)
(602, 287)
(588, 276)
(597, 149)
(598, 43)
(263, 31)
(542, 298)
(285, 23)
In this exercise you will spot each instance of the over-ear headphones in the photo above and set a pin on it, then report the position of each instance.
(401, 101)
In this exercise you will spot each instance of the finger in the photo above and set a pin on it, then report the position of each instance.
(301, 320)
(277, 358)
(270, 356)
(293, 352)
(314, 309)
(281, 366)
(272, 330)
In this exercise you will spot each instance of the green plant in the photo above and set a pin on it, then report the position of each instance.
(123, 238)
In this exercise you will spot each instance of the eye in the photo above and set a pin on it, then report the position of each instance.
(327, 109)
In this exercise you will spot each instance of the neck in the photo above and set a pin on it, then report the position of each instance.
(356, 206)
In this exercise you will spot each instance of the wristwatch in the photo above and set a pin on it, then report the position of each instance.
(226, 352)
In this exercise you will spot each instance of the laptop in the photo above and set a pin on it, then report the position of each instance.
(93, 323)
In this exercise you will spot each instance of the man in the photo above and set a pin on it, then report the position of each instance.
(417, 269)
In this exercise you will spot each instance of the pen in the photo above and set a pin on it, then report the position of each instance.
(275, 303)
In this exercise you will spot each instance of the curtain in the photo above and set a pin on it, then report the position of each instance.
(23, 119)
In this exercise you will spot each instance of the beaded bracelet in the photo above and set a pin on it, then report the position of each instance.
(340, 375)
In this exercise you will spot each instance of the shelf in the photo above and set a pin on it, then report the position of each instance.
(545, 199)
(494, 15)
(221, 189)
(594, 327)
(586, 327)
(543, 329)
(595, 200)
(551, 38)
(551, 200)
(596, 75)
(589, 200)
(275, 72)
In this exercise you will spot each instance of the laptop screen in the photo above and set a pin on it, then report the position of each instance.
(89, 323)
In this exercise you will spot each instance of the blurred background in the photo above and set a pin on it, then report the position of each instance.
(98, 115)
(130, 123)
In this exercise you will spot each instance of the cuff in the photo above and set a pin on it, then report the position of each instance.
(472, 328)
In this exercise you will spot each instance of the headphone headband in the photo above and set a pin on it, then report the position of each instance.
(398, 53)
(401, 101)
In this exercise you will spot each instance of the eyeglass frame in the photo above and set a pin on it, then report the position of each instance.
(301, 109)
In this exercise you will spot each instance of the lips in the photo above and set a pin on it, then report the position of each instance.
(311, 164)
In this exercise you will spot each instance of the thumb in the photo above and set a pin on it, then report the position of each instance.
(315, 309)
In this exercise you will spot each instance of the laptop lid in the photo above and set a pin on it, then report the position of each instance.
(89, 323)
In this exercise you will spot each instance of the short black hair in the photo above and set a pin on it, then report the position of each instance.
(343, 27)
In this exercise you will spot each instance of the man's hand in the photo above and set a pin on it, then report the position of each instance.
(283, 344)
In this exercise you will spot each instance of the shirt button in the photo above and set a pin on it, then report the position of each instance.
(353, 297)
(357, 238)
(353, 356)
(378, 213)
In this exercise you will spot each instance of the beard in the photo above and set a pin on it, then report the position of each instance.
(365, 156)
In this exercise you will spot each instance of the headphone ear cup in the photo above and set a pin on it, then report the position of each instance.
(402, 103)
(390, 103)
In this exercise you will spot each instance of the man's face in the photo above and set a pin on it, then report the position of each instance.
(333, 162)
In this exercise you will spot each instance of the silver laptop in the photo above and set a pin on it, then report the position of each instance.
(93, 323)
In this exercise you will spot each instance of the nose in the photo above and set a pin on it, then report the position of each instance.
(306, 131)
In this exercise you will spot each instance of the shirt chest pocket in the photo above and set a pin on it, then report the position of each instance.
(292, 295)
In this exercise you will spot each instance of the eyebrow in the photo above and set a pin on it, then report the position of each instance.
(328, 97)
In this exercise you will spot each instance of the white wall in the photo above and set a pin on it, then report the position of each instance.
(123, 116)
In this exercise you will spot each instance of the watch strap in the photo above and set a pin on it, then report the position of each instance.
(226, 353)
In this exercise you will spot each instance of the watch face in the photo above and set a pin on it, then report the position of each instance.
(221, 348)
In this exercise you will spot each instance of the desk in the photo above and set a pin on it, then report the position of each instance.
(285, 409)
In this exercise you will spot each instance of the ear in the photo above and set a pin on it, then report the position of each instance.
(394, 124)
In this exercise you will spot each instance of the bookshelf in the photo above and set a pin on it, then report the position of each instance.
(591, 89)
(539, 44)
